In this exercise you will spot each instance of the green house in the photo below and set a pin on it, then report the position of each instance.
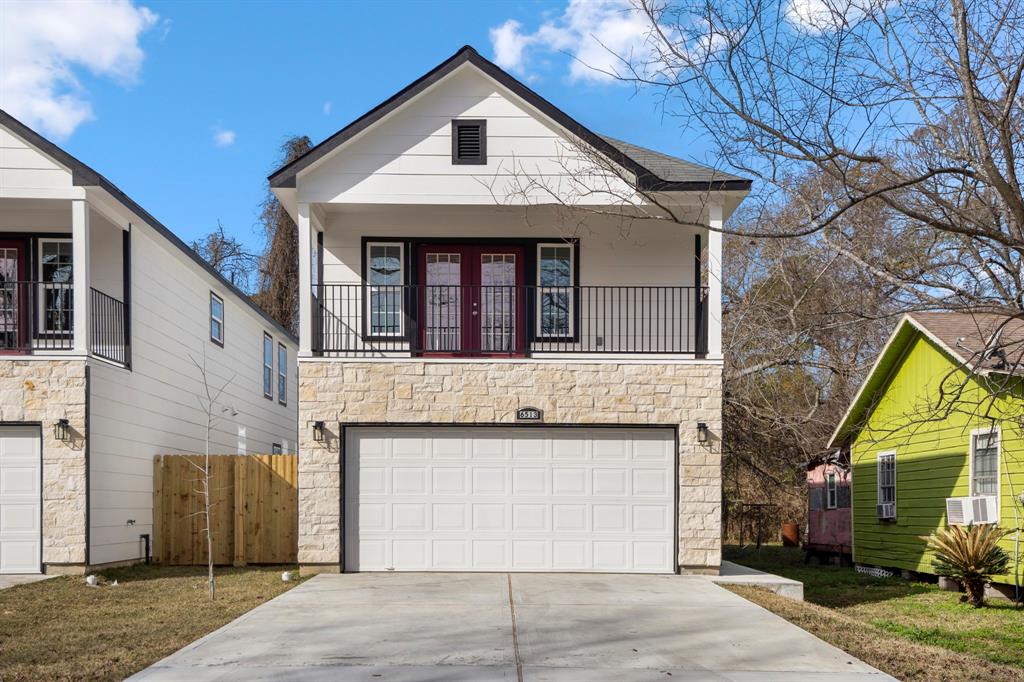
(935, 437)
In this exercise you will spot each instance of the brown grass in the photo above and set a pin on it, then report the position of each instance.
(61, 629)
(903, 659)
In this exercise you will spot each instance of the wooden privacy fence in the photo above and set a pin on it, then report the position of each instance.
(253, 517)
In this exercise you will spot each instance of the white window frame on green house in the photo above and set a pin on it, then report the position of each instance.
(985, 431)
(887, 454)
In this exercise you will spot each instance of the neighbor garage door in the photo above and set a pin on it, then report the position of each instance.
(518, 499)
(20, 499)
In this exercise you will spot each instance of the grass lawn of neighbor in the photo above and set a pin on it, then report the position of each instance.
(911, 630)
(62, 629)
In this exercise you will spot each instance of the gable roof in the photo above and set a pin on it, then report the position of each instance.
(981, 342)
(85, 176)
(654, 171)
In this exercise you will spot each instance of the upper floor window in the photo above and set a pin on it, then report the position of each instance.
(555, 271)
(385, 274)
(268, 366)
(55, 294)
(216, 319)
(833, 497)
(282, 374)
(469, 142)
(985, 462)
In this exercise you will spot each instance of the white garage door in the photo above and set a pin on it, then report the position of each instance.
(520, 499)
(20, 499)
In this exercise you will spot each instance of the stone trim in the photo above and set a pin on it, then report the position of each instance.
(623, 393)
(41, 392)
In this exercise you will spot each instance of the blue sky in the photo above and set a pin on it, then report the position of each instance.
(190, 119)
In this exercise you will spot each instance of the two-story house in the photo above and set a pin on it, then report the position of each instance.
(104, 316)
(509, 359)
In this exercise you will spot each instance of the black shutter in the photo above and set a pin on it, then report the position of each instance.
(843, 497)
(469, 142)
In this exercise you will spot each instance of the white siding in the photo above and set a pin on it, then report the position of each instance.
(406, 158)
(25, 169)
(154, 408)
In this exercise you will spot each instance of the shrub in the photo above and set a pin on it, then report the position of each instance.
(971, 556)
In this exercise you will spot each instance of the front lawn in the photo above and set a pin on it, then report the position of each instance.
(62, 629)
(913, 631)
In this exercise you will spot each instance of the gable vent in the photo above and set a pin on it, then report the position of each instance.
(469, 142)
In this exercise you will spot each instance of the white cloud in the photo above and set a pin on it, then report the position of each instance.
(43, 45)
(328, 108)
(823, 16)
(223, 137)
(596, 33)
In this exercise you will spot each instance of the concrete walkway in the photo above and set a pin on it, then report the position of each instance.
(12, 580)
(401, 627)
(734, 574)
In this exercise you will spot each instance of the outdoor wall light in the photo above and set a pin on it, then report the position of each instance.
(702, 433)
(318, 431)
(62, 430)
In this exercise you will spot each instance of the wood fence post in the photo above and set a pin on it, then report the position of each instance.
(158, 510)
(241, 473)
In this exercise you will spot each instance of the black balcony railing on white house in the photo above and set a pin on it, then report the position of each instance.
(38, 317)
(516, 321)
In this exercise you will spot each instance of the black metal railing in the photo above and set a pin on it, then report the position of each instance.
(109, 338)
(515, 320)
(36, 316)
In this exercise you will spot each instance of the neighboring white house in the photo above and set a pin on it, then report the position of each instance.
(102, 310)
(505, 363)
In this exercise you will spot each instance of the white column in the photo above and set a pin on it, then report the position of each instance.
(714, 301)
(307, 243)
(80, 274)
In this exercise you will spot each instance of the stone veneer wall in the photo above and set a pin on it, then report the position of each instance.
(45, 391)
(490, 392)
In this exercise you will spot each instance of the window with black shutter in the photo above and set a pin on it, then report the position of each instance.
(469, 142)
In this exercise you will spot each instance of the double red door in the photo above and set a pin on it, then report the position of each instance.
(472, 300)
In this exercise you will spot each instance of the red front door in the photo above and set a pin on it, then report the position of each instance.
(472, 300)
(14, 296)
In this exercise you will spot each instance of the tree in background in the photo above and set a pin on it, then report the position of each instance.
(229, 257)
(278, 292)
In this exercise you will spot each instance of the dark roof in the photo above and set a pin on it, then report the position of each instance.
(983, 341)
(665, 173)
(84, 176)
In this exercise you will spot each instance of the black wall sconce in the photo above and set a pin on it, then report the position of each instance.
(318, 431)
(62, 430)
(702, 433)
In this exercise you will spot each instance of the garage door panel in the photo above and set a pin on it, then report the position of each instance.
(20, 499)
(538, 499)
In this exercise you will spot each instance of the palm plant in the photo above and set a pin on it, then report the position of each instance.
(970, 555)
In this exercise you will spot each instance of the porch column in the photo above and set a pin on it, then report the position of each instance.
(81, 315)
(714, 301)
(307, 256)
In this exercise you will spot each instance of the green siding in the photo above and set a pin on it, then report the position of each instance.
(931, 459)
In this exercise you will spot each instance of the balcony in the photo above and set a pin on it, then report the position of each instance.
(38, 318)
(361, 320)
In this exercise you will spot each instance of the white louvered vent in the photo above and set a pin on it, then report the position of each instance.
(964, 511)
(955, 512)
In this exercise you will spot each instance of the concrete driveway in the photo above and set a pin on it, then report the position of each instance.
(401, 627)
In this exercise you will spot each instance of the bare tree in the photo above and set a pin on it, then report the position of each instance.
(228, 256)
(279, 265)
(209, 403)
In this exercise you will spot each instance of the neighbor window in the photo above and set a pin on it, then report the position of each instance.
(985, 462)
(216, 319)
(385, 274)
(276, 449)
(268, 366)
(887, 485)
(55, 294)
(469, 142)
(554, 290)
(282, 374)
(832, 495)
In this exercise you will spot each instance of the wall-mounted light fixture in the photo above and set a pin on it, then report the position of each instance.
(702, 433)
(62, 430)
(318, 431)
